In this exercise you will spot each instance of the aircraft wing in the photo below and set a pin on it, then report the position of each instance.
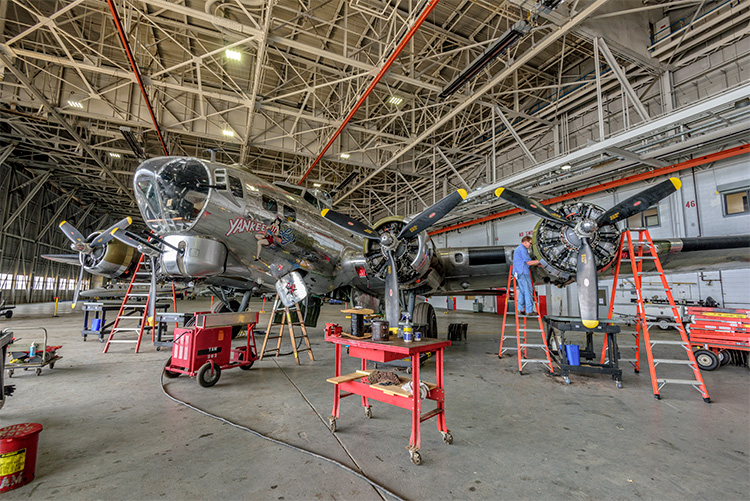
(71, 259)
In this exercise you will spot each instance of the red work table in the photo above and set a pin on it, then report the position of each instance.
(387, 351)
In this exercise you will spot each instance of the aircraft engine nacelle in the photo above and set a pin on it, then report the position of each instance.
(199, 257)
(556, 245)
(413, 256)
(114, 259)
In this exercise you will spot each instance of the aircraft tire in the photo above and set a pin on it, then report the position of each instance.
(424, 313)
(707, 360)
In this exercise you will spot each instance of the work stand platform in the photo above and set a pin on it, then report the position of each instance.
(387, 351)
(95, 317)
(557, 327)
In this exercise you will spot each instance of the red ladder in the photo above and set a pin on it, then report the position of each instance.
(522, 347)
(635, 254)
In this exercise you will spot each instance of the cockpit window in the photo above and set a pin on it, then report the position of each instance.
(235, 186)
(171, 192)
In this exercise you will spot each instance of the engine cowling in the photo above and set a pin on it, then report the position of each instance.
(413, 256)
(113, 259)
(556, 245)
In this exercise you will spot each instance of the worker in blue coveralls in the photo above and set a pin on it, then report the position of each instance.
(521, 263)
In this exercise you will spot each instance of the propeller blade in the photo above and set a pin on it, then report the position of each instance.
(587, 285)
(640, 202)
(78, 288)
(349, 224)
(107, 234)
(152, 294)
(392, 305)
(142, 246)
(73, 235)
(432, 214)
(72, 259)
(530, 205)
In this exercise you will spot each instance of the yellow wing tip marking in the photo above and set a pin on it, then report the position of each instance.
(324, 212)
(676, 182)
(590, 323)
(499, 191)
(463, 193)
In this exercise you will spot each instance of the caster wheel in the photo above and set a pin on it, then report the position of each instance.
(167, 373)
(10, 373)
(332, 424)
(566, 379)
(208, 375)
(619, 385)
(415, 457)
(52, 365)
(158, 348)
(447, 437)
(368, 412)
(38, 371)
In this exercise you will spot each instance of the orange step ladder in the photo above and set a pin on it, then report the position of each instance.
(638, 252)
(523, 346)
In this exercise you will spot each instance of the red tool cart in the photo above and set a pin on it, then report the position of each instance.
(715, 331)
(387, 351)
(205, 348)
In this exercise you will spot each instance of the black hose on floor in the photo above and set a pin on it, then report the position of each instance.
(279, 442)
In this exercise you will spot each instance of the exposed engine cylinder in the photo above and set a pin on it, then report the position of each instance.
(556, 245)
(413, 256)
(112, 260)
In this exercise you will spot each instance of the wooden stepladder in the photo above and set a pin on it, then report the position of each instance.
(522, 327)
(129, 317)
(286, 319)
(637, 252)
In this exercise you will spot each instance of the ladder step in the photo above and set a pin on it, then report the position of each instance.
(533, 345)
(672, 361)
(532, 330)
(123, 340)
(126, 329)
(644, 258)
(534, 361)
(681, 343)
(677, 381)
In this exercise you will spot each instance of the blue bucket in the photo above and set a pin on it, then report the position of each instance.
(574, 356)
(96, 324)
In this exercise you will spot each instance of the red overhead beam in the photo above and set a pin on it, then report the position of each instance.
(713, 157)
(426, 12)
(137, 73)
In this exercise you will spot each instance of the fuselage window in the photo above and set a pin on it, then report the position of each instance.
(310, 198)
(235, 186)
(269, 204)
(736, 203)
(290, 214)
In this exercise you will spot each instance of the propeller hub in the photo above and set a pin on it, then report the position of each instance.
(388, 242)
(586, 228)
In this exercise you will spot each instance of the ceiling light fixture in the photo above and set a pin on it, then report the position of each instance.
(345, 155)
(507, 40)
(317, 185)
(566, 167)
(228, 133)
(234, 55)
(114, 155)
(75, 104)
(395, 100)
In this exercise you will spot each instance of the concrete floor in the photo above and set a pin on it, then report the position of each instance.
(110, 432)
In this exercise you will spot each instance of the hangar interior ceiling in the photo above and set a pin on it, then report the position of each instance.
(596, 85)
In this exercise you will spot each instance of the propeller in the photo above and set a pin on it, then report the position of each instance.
(582, 232)
(86, 248)
(141, 245)
(389, 243)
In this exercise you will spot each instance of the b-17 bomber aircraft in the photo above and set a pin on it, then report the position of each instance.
(226, 228)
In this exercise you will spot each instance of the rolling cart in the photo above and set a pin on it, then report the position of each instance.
(205, 349)
(39, 356)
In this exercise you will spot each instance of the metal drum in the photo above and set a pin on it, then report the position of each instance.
(380, 330)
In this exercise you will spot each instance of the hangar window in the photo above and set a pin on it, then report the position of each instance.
(646, 219)
(736, 203)
(50, 283)
(269, 204)
(5, 281)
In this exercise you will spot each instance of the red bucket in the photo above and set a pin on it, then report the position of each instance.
(18, 454)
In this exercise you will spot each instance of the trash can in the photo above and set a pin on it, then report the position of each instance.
(573, 353)
(18, 445)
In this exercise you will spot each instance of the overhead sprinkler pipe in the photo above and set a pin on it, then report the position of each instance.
(137, 73)
(702, 160)
(409, 34)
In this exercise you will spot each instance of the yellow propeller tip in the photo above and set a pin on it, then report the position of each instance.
(62, 223)
(462, 193)
(676, 182)
(324, 212)
(73, 306)
(130, 220)
(590, 323)
(499, 191)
